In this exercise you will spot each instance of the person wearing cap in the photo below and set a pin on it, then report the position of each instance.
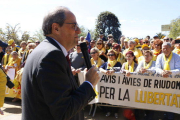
(177, 47)
(145, 41)
(14, 47)
(155, 37)
(137, 45)
(122, 41)
(125, 46)
(131, 45)
(30, 41)
(130, 65)
(22, 49)
(157, 46)
(120, 57)
(144, 48)
(110, 36)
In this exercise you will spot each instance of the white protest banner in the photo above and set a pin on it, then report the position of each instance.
(151, 92)
(11, 73)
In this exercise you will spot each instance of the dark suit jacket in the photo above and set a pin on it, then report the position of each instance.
(49, 91)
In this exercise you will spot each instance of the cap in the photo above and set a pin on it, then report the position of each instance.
(144, 45)
(30, 41)
(10, 42)
(155, 36)
(126, 40)
(136, 40)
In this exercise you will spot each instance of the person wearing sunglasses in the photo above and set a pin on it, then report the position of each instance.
(145, 41)
(166, 39)
(137, 52)
(177, 47)
(96, 60)
(120, 57)
(107, 68)
(102, 51)
(37, 42)
(157, 46)
(130, 65)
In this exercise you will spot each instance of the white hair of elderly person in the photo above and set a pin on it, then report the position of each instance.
(167, 63)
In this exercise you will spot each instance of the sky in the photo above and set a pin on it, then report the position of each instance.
(138, 18)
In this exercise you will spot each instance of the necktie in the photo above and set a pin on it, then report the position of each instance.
(68, 60)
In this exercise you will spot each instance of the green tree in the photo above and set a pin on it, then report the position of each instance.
(25, 36)
(108, 23)
(38, 35)
(84, 32)
(160, 35)
(175, 28)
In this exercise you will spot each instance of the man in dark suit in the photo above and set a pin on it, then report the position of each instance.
(49, 90)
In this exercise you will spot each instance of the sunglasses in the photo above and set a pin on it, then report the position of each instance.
(111, 55)
(99, 43)
(146, 42)
(92, 52)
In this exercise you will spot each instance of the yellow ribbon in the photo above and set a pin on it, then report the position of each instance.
(146, 66)
(111, 63)
(99, 62)
(166, 65)
(129, 68)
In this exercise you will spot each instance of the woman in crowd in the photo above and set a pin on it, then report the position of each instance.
(120, 57)
(137, 52)
(177, 48)
(96, 60)
(102, 51)
(14, 62)
(22, 49)
(107, 69)
(3, 82)
(6, 58)
(130, 65)
(147, 65)
(157, 45)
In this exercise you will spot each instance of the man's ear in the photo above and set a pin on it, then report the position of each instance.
(55, 28)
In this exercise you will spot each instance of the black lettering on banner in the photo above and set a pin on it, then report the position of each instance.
(112, 92)
(147, 82)
(106, 94)
(119, 80)
(139, 82)
(113, 79)
(125, 96)
(168, 84)
(102, 90)
(129, 81)
(155, 83)
(103, 78)
(134, 81)
(124, 80)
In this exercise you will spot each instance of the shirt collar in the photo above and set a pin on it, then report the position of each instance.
(62, 47)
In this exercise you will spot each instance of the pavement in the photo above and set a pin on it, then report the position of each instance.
(12, 111)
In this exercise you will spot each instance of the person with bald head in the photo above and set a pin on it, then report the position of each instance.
(49, 90)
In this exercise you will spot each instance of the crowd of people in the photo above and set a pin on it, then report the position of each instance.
(129, 55)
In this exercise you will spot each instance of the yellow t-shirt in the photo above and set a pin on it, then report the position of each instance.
(3, 82)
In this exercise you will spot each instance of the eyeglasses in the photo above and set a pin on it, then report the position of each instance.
(128, 56)
(110, 54)
(146, 42)
(76, 26)
(93, 53)
(99, 43)
(157, 45)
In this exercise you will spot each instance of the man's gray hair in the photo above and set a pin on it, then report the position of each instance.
(55, 16)
(166, 43)
(131, 41)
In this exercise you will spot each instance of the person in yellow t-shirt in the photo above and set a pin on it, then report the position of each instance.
(3, 82)
(6, 58)
(14, 62)
(120, 57)
(22, 49)
(177, 48)
(96, 60)
(137, 52)
(14, 47)
(137, 44)
(102, 51)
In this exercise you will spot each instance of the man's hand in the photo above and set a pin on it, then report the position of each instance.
(78, 70)
(143, 70)
(128, 73)
(166, 73)
(92, 76)
(1, 112)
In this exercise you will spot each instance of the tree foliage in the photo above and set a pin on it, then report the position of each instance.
(175, 28)
(84, 32)
(108, 23)
(160, 35)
